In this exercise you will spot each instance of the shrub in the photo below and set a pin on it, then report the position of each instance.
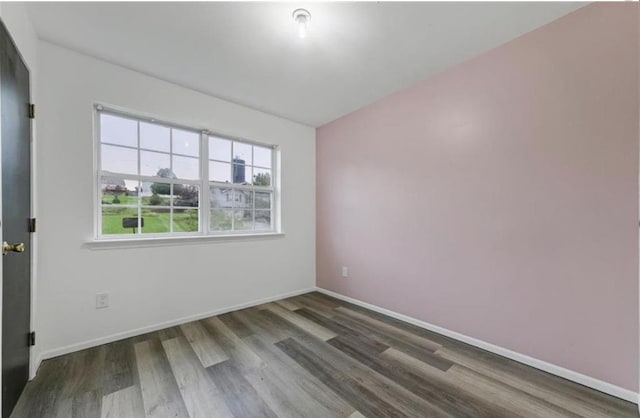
(155, 199)
(115, 200)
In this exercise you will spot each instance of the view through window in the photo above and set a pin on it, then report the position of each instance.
(159, 179)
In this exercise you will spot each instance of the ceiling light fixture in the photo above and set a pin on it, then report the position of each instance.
(302, 18)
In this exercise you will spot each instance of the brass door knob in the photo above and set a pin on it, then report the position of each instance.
(17, 248)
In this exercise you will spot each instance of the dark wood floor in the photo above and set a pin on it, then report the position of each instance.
(307, 356)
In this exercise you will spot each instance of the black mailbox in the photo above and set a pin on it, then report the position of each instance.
(132, 222)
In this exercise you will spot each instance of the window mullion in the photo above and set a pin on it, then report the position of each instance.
(243, 187)
(98, 182)
(233, 158)
(275, 193)
(172, 185)
(171, 208)
(205, 200)
(139, 193)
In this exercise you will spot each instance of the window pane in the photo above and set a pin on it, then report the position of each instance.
(263, 220)
(156, 194)
(145, 188)
(241, 174)
(117, 130)
(156, 220)
(119, 191)
(221, 219)
(155, 137)
(238, 198)
(219, 149)
(112, 220)
(244, 199)
(261, 177)
(219, 172)
(220, 198)
(185, 142)
(185, 220)
(186, 195)
(186, 167)
(242, 153)
(263, 200)
(118, 159)
(243, 219)
(262, 157)
(151, 164)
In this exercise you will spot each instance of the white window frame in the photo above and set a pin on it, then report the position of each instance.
(204, 184)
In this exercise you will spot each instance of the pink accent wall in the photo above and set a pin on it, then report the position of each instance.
(499, 198)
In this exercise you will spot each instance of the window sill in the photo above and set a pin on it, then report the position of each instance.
(119, 243)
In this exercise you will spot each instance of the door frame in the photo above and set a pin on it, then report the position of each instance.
(34, 359)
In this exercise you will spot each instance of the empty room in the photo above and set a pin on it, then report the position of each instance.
(319, 209)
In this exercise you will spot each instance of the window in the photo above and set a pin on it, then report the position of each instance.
(158, 179)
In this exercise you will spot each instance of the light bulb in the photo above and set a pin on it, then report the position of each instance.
(302, 29)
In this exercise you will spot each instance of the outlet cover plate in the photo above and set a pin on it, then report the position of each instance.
(102, 300)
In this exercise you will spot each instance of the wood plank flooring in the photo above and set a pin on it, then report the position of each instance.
(306, 356)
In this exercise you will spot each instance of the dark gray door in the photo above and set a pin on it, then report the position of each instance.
(16, 208)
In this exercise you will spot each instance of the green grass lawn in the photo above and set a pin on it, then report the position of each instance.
(156, 220)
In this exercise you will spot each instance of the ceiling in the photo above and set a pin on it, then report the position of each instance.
(249, 53)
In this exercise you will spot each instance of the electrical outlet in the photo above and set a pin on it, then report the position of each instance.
(102, 300)
(345, 271)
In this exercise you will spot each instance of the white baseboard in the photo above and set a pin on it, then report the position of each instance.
(591, 382)
(139, 331)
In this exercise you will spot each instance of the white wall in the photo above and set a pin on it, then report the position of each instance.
(15, 17)
(151, 286)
